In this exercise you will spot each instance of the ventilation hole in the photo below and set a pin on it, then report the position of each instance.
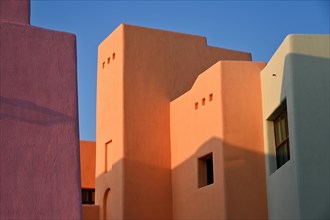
(196, 105)
(211, 97)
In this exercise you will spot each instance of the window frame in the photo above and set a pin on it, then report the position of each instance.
(285, 141)
(206, 170)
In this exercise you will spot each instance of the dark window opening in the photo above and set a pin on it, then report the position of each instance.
(103, 65)
(205, 170)
(108, 60)
(281, 139)
(88, 196)
(203, 101)
(113, 56)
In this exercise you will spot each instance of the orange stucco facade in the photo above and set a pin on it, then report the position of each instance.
(145, 93)
(87, 164)
(220, 115)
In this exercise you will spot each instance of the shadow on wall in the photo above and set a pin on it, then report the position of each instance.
(27, 111)
(138, 196)
(306, 89)
(238, 190)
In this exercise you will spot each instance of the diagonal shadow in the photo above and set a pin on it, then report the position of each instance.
(30, 112)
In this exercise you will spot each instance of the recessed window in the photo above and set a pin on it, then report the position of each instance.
(282, 139)
(113, 56)
(103, 65)
(88, 196)
(205, 170)
(106, 151)
(203, 101)
(211, 97)
(196, 105)
(108, 60)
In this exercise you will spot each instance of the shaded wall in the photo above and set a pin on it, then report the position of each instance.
(151, 67)
(158, 67)
(40, 172)
(298, 73)
(308, 79)
(229, 126)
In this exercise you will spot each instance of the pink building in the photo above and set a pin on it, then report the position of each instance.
(39, 138)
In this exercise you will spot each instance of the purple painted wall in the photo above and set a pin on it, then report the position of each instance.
(39, 136)
(16, 11)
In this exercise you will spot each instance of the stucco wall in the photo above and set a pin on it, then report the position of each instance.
(110, 127)
(158, 67)
(87, 164)
(299, 73)
(230, 126)
(15, 11)
(151, 68)
(40, 172)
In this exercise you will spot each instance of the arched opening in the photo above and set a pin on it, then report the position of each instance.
(105, 205)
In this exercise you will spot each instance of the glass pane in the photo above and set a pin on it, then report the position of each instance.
(285, 150)
(278, 132)
(283, 129)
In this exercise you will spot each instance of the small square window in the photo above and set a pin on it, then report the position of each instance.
(205, 170)
(88, 196)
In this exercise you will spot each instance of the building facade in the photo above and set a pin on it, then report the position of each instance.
(39, 138)
(142, 74)
(295, 90)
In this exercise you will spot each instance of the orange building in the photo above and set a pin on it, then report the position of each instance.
(171, 141)
(87, 168)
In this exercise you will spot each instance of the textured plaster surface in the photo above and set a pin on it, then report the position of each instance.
(299, 73)
(87, 164)
(40, 172)
(229, 126)
(151, 68)
(15, 11)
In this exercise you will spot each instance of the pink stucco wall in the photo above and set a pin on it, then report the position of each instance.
(39, 139)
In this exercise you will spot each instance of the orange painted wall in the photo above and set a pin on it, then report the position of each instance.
(87, 164)
(151, 68)
(90, 212)
(110, 127)
(229, 126)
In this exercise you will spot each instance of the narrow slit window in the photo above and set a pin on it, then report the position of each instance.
(103, 65)
(203, 101)
(113, 56)
(108, 60)
(106, 152)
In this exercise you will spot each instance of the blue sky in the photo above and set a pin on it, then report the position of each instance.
(257, 27)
